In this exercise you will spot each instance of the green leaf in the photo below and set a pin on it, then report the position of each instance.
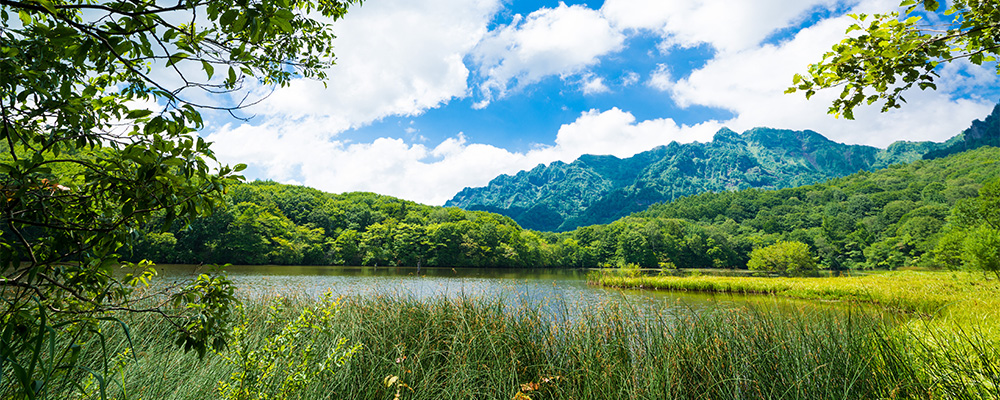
(209, 69)
(136, 114)
(228, 17)
(177, 57)
(47, 5)
(25, 17)
(240, 21)
(283, 24)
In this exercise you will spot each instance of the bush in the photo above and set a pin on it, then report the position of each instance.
(793, 258)
(982, 250)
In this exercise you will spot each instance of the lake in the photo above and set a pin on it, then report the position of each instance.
(557, 289)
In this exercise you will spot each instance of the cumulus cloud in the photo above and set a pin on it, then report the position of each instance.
(724, 24)
(306, 154)
(660, 78)
(751, 84)
(395, 57)
(551, 41)
(594, 85)
(630, 78)
(616, 132)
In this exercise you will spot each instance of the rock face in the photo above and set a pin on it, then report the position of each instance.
(600, 189)
(981, 133)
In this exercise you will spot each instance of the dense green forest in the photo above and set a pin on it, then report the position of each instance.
(271, 223)
(884, 219)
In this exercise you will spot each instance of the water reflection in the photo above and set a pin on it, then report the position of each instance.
(559, 291)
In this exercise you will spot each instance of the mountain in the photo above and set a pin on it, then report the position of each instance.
(981, 133)
(600, 189)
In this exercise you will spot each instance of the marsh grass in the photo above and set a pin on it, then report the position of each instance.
(474, 348)
(953, 297)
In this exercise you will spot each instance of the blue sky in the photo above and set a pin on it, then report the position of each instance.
(430, 96)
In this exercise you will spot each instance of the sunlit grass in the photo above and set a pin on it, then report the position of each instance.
(477, 348)
(951, 297)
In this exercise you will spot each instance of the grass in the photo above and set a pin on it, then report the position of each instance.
(473, 348)
(953, 297)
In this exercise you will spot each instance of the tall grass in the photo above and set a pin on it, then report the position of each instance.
(958, 297)
(470, 348)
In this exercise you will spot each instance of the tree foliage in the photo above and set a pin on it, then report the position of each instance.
(982, 249)
(971, 238)
(99, 104)
(888, 54)
(793, 258)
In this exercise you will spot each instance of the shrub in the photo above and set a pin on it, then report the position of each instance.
(981, 250)
(793, 258)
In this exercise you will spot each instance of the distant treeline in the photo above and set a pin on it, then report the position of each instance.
(271, 223)
(889, 218)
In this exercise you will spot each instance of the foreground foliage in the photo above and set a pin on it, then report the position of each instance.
(296, 356)
(98, 114)
(889, 55)
(470, 348)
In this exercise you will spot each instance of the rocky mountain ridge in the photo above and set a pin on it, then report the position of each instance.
(598, 189)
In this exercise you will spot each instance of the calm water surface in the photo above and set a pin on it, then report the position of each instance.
(560, 289)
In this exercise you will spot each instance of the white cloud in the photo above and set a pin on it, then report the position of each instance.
(395, 57)
(617, 133)
(630, 78)
(724, 24)
(594, 85)
(292, 152)
(551, 41)
(751, 82)
(660, 78)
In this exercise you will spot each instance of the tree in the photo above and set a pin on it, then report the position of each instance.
(972, 236)
(890, 55)
(981, 250)
(99, 104)
(793, 258)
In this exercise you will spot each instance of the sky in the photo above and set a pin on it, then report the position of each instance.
(430, 96)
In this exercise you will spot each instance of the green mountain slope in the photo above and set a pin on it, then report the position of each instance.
(600, 189)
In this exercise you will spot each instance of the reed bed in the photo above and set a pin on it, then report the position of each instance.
(959, 297)
(475, 348)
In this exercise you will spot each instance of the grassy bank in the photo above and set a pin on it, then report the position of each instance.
(481, 349)
(958, 297)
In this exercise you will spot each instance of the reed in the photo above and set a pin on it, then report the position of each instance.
(954, 297)
(476, 348)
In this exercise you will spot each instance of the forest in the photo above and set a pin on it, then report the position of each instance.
(904, 215)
